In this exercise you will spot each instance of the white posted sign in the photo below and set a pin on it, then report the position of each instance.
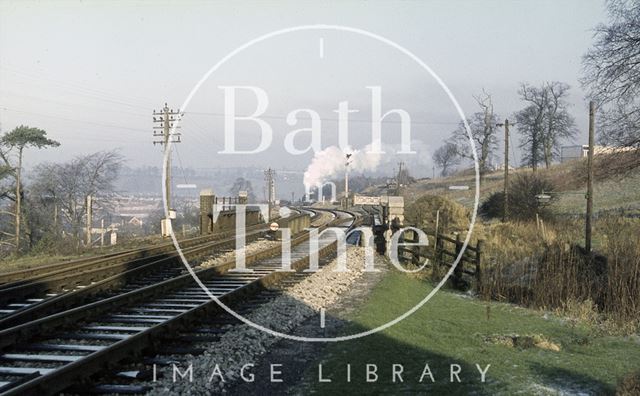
(364, 200)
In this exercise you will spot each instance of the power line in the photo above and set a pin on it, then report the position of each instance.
(184, 175)
(72, 119)
(275, 117)
(90, 92)
(74, 105)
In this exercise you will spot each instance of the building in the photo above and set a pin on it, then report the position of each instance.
(570, 153)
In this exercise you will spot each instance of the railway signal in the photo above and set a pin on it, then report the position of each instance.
(346, 180)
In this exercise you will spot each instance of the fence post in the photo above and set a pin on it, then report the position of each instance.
(415, 250)
(478, 265)
(439, 252)
(457, 272)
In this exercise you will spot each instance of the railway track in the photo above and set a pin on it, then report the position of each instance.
(48, 354)
(53, 291)
(141, 375)
(8, 279)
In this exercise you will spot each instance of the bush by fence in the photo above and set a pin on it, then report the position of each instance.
(561, 272)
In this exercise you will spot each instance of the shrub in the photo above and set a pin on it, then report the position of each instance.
(493, 206)
(523, 203)
(422, 213)
(555, 273)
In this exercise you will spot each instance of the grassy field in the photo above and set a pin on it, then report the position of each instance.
(453, 328)
(622, 195)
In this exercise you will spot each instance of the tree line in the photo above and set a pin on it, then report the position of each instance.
(542, 124)
(50, 208)
(611, 77)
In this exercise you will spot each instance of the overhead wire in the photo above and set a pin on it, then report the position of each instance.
(389, 121)
(184, 175)
(72, 104)
(79, 89)
(2, 107)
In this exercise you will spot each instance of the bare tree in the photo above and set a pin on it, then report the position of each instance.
(42, 214)
(612, 74)
(69, 184)
(18, 139)
(483, 132)
(242, 184)
(560, 124)
(445, 157)
(530, 121)
(544, 122)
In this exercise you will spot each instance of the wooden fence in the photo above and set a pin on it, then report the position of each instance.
(227, 203)
(444, 254)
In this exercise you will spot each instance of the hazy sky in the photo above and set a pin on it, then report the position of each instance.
(91, 72)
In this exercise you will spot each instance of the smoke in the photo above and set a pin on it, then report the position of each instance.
(331, 162)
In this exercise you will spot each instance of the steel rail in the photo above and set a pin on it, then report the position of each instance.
(97, 282)
(102, 281)
(135, 338)
(10, 279)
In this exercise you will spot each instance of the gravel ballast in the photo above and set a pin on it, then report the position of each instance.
(243, 344)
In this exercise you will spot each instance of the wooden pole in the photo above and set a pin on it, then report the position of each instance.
(166, 136)
(89, 219)
(505, 213)
(102, 233)
(437, 225)
(587, 237)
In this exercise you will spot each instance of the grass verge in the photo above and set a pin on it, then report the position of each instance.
(455, 329)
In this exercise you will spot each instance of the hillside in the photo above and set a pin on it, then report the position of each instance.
(614, 190)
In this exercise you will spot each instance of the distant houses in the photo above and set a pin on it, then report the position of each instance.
(132, 220)
(570, 153)
(135, 211)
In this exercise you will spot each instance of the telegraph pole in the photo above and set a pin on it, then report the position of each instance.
(269, 177)
(164, 122)
(505, 203)
(89, 218)
(587, 242)
(505, 213)
(399, 177)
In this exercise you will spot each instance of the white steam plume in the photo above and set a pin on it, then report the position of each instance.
(330, 162)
